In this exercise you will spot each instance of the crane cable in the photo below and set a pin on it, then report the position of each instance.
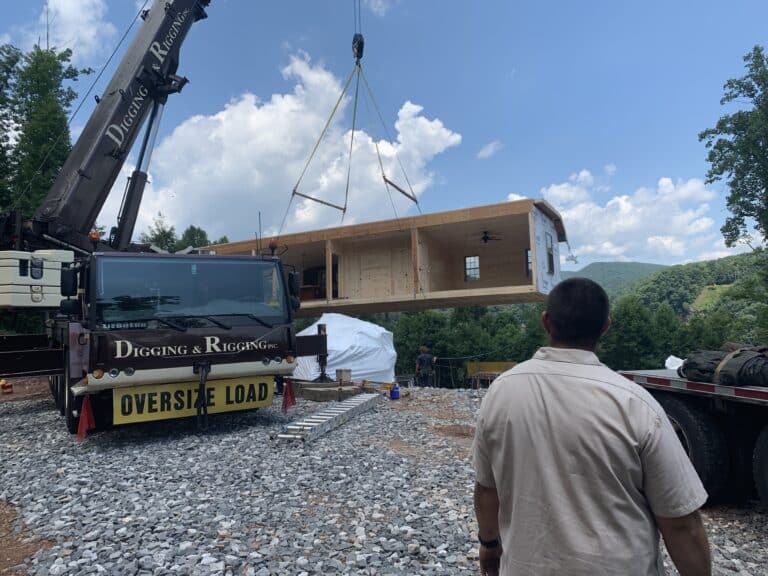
(358, 44)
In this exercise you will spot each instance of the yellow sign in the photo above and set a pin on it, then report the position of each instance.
(165, 401)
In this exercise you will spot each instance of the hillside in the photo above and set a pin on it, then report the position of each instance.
(615, 276)
(681, 285)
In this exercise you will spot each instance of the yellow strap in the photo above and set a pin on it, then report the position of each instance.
(723, 362)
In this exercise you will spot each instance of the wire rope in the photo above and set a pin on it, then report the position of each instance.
(389, 136)
(351, 140)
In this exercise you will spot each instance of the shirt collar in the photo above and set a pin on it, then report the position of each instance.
(572, 355)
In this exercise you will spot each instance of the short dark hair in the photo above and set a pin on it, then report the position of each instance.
(578, 312)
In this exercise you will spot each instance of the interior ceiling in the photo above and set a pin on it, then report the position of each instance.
(508, 230)
(508, 233)
(305, 255)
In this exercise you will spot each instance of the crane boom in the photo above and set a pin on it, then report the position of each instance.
(143, 80)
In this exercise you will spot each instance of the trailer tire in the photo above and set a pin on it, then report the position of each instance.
(703, 440)
(760, 465)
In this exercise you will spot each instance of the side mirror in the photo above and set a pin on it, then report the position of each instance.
(295, 303)
(293, 283)
(70, 307)
(68, 282)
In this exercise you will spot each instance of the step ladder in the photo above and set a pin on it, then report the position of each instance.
(321, 422)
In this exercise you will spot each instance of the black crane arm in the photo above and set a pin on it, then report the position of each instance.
(143, 80)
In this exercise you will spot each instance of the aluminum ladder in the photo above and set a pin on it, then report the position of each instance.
(321, 422)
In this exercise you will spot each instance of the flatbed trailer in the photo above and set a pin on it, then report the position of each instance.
(724, 429)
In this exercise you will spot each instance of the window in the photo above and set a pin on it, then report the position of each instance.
(140, 288)
(550, 254)
(528, 262)
(471, 268)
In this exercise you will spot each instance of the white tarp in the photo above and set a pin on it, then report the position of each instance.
(363, 347)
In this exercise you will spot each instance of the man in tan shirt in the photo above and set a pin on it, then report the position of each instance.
(577, 468)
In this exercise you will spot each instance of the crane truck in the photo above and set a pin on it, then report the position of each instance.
(141, 335)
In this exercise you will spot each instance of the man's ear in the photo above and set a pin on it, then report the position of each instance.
(546, 322)
(607, 326)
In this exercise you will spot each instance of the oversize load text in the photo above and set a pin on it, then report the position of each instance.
(160, 402)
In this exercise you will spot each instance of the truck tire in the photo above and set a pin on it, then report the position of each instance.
(71, 406)
(760, 465)
(703, 440)
(56, 390)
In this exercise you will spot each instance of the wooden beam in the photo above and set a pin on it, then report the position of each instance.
(415, 261)
(424, 301)
(401, 225)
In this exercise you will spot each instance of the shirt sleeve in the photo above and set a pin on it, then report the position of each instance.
(480, 457)
(671, 484)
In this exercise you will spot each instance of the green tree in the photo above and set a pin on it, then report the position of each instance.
(665, 334)
(629, 344)
(413, 329)
(41, 103)
(9, 60)
(192, 236)
(738, 150)
(160, 234)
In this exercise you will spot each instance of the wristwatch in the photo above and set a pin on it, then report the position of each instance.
(489, 543)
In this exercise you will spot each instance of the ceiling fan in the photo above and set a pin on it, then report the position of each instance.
(488, 236)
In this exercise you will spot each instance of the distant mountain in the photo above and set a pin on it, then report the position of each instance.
(614, 277)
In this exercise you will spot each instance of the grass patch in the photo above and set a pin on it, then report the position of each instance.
(709, 296)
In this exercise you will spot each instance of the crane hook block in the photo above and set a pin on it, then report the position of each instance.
(358, 44)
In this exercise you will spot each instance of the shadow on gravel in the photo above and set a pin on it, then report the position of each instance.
(259, 422)
(21, 407)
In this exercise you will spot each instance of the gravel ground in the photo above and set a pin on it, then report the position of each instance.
(389, 492)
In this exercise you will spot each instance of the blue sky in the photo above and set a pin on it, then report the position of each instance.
(595, 106)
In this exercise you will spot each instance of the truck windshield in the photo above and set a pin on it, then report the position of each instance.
(135, 290)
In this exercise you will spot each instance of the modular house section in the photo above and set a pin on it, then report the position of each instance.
(497, 254)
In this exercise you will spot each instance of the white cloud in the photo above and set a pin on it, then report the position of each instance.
(670, 223)
(609, 169)
(490, 149)
(379, 7)
(583, 178)
(219, 171)
(667, 245)
(566, 193)
(512, 197)
(77, 24)
(5, 38)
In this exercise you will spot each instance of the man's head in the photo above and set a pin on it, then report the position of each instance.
(576, 314)
(423, 349)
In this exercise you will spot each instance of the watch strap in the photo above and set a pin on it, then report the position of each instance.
(489, 543)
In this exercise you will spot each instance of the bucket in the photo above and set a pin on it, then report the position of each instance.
(394, 392)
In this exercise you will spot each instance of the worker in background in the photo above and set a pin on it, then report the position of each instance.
(425, 363)
(577, 468)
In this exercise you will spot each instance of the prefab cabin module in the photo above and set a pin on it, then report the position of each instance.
(496, 254)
